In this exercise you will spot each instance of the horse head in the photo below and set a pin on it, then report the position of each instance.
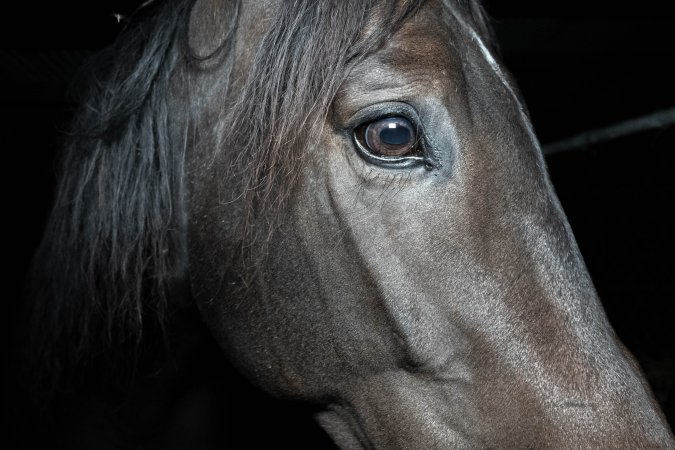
(366, 223)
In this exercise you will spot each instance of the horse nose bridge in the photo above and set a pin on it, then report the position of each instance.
(399, 408)
(620, 414)
(402, 409)
(592, 390)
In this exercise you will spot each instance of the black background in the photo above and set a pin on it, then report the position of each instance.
(579, 67)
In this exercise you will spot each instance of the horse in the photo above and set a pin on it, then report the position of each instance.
(349, 198)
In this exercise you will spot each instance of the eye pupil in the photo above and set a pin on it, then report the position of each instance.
(395, 135)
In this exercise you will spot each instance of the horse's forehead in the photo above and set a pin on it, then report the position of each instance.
(420, 59)
(423, 43)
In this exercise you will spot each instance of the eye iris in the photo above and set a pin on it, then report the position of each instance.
(393, 136)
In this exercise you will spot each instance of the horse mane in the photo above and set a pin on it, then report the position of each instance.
(114, 246)
(108, 254)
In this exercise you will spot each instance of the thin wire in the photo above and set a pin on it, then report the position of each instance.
(658, 119)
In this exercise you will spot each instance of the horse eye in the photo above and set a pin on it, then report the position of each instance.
(391, 137)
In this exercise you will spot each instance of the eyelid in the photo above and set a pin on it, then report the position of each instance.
(381, 110)
(391, 161)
